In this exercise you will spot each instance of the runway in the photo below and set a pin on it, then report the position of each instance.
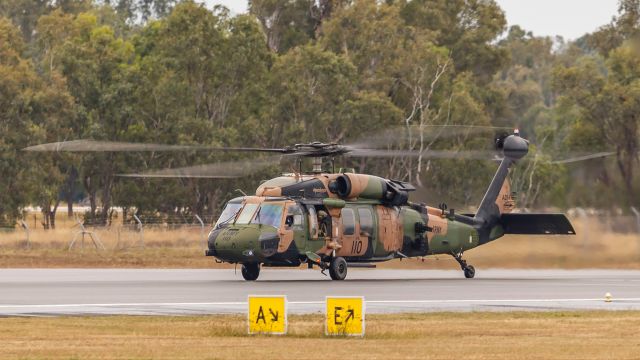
(53, 292)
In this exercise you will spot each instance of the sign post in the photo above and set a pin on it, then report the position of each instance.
(345, 316)
(267, 315)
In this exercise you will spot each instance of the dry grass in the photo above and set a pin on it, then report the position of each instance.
(595, 246)
(162, 248)
(569, 335)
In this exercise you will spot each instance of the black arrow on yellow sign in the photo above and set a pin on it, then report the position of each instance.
(350, 315)
(274, 317)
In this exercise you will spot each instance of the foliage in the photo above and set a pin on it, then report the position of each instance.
(291, 71)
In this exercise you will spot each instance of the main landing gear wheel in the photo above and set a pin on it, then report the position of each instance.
(338, 268)
(250, 271)
(469, 271)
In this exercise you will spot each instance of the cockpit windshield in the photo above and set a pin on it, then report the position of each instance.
(228, 214)
(247, 214)
(269, 214)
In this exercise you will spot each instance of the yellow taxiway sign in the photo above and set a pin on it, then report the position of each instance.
(267, 315)
(345, 316)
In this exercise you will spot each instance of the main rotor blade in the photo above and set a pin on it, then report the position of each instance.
(599, 155)
(221, 170)
(87, 145)
(427, 154)
(401, 134)
(464, 154)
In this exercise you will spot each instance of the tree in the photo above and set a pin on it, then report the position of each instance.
(31, 107)
(25, 13)
(623, 27)
(606, 96)
(134, 11)
(202, 80)
(316, 98)
(286, 23)
(466, 27)
(98, 69)
(372, 37)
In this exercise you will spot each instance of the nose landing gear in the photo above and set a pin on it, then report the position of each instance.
(250, 271)
(469, 271)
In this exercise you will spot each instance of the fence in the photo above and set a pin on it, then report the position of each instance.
(136, 233)
(597, 233)
(139, 229)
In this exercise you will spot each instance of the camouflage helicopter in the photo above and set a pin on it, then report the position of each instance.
(336, 220)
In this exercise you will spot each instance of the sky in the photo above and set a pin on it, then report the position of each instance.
(567, 18)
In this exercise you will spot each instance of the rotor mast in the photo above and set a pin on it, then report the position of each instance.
(317, 165)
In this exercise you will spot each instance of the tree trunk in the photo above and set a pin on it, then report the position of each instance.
(69, 189)
(106, 200)
(92, 196)
(52, 214)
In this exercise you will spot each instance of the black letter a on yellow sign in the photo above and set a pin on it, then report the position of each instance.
(261, 316)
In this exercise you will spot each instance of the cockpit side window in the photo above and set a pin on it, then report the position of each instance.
(294, 217)
(268, 214)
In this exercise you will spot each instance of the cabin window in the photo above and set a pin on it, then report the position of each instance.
(348, 222)
(313, 222)
(247, 214)
(366, 220)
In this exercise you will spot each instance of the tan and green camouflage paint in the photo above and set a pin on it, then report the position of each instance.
(391, 225)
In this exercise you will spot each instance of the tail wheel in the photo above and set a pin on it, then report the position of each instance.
(250, 271)
(338, 268)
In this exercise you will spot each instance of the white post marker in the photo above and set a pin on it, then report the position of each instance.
(345, 316)
(267, 315)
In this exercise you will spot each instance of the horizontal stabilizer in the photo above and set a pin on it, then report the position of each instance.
(536, 224)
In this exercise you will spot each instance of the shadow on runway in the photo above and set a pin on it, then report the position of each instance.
(387, 280)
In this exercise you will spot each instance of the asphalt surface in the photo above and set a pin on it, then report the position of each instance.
(52, 292)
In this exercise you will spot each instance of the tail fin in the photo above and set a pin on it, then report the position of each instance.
(498, 199)
(506, 200)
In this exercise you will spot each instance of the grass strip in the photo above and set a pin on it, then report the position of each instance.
(490, 335)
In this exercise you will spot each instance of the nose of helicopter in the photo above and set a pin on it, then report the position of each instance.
(243, 244)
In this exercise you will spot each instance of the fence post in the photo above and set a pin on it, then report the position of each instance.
(28, 233)
(82, 232)
(140, 230)
(203, 242)
(637, 214)
(583, 215)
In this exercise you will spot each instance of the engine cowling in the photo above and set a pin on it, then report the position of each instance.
(390, 192)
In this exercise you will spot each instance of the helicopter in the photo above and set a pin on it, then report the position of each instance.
(340, 219)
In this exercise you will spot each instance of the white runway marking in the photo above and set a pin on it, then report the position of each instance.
(240, 303)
